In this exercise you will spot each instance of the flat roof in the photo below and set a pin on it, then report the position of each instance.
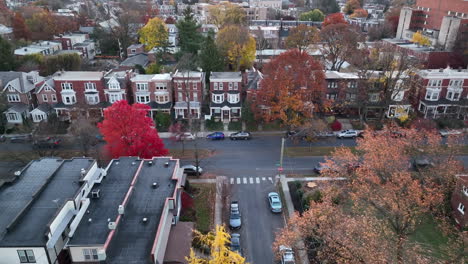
(113, 189)
(79, 76)
(15, 196)
(225, 75)
(134, 240)
(142, 78)
(31, 228)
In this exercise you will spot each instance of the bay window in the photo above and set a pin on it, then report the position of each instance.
(432, 94)
(233, 98)
(218, 98)
(143, 99)
(92, 99)
(453, 94)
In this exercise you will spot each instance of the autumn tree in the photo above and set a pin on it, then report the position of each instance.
(227, 14)
(20, 30)
(420, 39)
(313, 15)
(336, 18)
(190, 38)
(8, 62)
(237, 46)
(154, 34)
(378, 205)
(291, 90)
(301, 37)
(351, 6)
(128, 131)
(359, 13)
(339, 42)
(42, 25)
(218, 244)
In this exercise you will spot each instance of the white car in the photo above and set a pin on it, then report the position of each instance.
(447, 132)
(192, 170)
(185, 136)
(287, 255)
(348, 134)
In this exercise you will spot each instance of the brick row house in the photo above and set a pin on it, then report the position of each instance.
(459, 201)
(443, 93)
(155, 90)
(189, 92)
(225, 91)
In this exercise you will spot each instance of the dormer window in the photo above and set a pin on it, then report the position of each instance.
(114, 86)
(13, 98)
(47, 88)
(11, 89)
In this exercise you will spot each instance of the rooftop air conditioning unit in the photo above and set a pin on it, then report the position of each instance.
(150, 163)
(101, 255)
(111, 225)
(95, 194)
(83, 172)
(121, 209)
(166, 164)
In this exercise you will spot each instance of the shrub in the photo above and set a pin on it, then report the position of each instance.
(212, 125)
(235, 126)
(336, 125)
(450, 123)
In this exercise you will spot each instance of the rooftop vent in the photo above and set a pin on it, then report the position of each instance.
(121, 209)
(133, 163)
(17, 173)
(154, 185)
(144, 220)
(90, 220)
(111, 225)
(95, 194)
(166, 164)
(83, 172)
(150, 163)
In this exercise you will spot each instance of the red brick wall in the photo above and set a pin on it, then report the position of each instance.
(439, 9)
(459, 197)
(40, 99)
(182, 97)
(79, 88)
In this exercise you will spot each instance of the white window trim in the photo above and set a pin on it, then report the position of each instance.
(233, 96)
(15, 115)
(165, 99)
(54, 97)
(215, 98)
(215, 86)
(11, 88)
(465, 190)
(454, 91)
(195, 96)
(114, 86)
(435, 83)
(14, 98)
(142, 86)
(92, 99)
(231, 85)
(89, 86)
(461, 208)
(72, 99)
(45, 98)
(143, 96)
(431, 92)
(66, 86)
(114, 97)
(221, 87)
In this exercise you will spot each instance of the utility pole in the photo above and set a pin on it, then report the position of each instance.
(280, 169)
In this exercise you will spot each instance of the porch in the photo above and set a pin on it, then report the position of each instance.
(225, 113)
(443, 111)
(181, 110)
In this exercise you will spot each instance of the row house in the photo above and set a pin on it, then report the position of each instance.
(79, 92)
(459, 201)
(43, 48)
(18, 88)
(154, 90)
(189, 91)
(46, 95)
(225, 93)
(69, 40)
(443, 93)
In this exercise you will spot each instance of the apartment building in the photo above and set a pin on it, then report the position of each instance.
(225, 96)
(189, 92)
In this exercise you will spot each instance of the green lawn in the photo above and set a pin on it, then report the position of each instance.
(430, 237)
(204, 206)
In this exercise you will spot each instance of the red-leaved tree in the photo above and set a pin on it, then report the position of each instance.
(291, 90)
(20, 30)
(335, 18)
(128, 131)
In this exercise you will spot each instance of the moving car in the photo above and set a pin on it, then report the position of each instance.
(448, 132)
(275, 202)
(185, 136)
(348, 134)
(240, 135)
(235, 221)
(235, 243)
(48, 142)
(21, 139)
(192, 170)
(287, 255)
(216, 136)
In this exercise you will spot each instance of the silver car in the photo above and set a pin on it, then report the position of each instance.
(275, 202)
(235, 221)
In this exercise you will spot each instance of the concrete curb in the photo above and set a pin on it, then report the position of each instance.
(219, 200)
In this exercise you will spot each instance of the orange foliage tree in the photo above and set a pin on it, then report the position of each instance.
(359, 13)
(336, 18)
(371, 216)
(291, 90)
(20, 30)
(301, 37)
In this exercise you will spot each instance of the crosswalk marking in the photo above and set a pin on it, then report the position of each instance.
(250, 180)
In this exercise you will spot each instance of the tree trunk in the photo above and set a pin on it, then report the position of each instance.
(400, 249)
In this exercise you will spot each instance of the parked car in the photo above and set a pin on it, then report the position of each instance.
(422, 163)
(235, 243)
(348, 134)
(450, 132)
(240, 135)
(185, 136)
(192, 170)
(320, 168)
(216, 136)
(3, 138)
(275, 202)
(235, 221)
(287, 255)
(48, 142)
(290, 133)
(21, 139)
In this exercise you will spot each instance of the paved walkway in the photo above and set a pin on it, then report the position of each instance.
(315, 179)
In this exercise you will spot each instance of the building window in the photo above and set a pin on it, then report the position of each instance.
(44, 98)
(374, 97)
(332, 84)
(114, 98)
(331, 96)
(398, 96)
(179, 85)
(142, 86)
(179, 96)
(114, 86)
(461, 208)
(195, 96)
(465, 190)
(350, 96)
(233, 98)
(456, 83)
(236, 86)
(230, 85)
(92, 99)
(432, 94)
(54, 98)
(453, 94)
(161, 86)
(218, 98)
(69, 99)
(11, 89)
(133, 51)
(13, 117)
(26, 256)
(215, 86)
(194, 86)
(90, 254)
(12, 98)
(352, 85)
(435, 83)
(90, 86)
(47, 89)
(162, 99)
(221, 86)
(67, 86)
(143, 99)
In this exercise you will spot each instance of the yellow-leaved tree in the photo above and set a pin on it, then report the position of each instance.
(420, 39)
(218, 243)
(154, 34)
(237, 45)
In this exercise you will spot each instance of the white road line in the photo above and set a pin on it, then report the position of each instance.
(263, 178)
(251, 180)
(245, 180)
(238, 180)
(270, 179)
(232, 180)
(257, 179)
